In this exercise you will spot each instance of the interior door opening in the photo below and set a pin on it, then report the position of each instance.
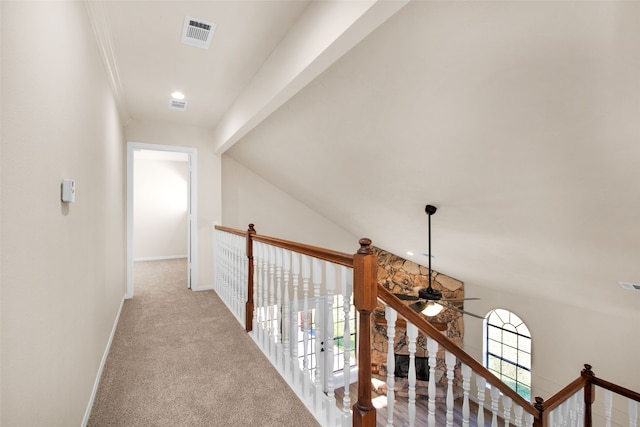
(160, 205)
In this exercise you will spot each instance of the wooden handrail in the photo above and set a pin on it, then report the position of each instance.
(231, 230)
(339, 258)
(561, 396)
(624, 392)
(336, 257)
(394, 302)
(586, 381)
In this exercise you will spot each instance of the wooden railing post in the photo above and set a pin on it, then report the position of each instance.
(589, 394)
(249, 306)
(542, 420)
(365, 300)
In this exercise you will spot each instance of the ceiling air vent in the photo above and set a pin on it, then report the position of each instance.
(631, 286)
(197, 32)
(177, 105)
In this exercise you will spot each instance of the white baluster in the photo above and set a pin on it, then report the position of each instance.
(234, 297)
(265, 297)
(559, 416)
(495, 395)
(565, 412)
(330, 327)
(518, 411)
(466, 386)
(633, 413)
(306, 276)
(277, 332)
(286, 322)
(608, 404)
(506, 404)
(580, 404)
(278, 311)
(391, 316)
(450, 360)
(573, 409)
(529, 419)
(412, 335)
(245, 280)
(295, 270)
(319, 333)
(256, 275)
(272, 301)
(432, 348)
(481, 383)
(347, 288)
(258, 278)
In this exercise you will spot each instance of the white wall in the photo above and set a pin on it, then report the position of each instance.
(63, 277)
(248, 198)
(564, 338)
(160, 208)
(209, 185)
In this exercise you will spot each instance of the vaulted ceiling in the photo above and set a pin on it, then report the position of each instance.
(519, 120)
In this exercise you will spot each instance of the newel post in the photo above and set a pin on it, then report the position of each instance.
(365, 300)
(589, 394)
(249, 306)
(542, 420)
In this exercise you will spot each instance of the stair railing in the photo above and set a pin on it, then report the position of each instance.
(286, 301)
(272, 286)
(505, 404)
(574, 403)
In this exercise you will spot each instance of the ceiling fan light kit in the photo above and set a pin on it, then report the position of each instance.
(432, 309)
(430, 301)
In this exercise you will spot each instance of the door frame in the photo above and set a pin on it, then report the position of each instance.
(192, 232)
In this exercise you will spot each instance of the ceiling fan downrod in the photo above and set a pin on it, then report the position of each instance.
(430, 293)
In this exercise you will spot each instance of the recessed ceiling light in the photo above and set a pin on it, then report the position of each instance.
(177, 95)
(409, 253)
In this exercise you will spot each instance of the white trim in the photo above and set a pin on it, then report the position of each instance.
(101, 30)
(203, 288)
(96, 383)
(193, 209)
(160, 258)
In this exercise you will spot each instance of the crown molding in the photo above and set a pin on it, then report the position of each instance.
(100, 26)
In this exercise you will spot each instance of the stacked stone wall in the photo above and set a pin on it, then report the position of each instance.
(402, 276)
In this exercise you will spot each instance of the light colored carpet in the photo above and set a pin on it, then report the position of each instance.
(180, 358)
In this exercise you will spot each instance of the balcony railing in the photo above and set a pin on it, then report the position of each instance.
(283, 293)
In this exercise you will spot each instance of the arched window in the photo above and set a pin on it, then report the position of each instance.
(508, 350)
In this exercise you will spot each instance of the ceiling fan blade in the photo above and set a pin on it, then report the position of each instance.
(460, 299)
(453, 307)
(418, 306)
(406, 297)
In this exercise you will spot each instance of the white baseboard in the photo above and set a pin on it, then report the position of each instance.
(159, 258)
(202, 288)
(87, 412)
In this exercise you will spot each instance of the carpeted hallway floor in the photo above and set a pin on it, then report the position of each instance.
(180, 358)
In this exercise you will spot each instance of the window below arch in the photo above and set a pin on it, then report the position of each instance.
(508, 350)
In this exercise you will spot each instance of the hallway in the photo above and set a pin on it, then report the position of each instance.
(179, 358)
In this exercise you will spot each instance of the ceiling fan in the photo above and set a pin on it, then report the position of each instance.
(429, 301)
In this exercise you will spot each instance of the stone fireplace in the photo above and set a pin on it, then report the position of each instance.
(403, 276)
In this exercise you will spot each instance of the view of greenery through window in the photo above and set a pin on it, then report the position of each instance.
(509, 351)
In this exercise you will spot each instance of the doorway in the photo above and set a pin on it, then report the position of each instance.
(161, 207)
